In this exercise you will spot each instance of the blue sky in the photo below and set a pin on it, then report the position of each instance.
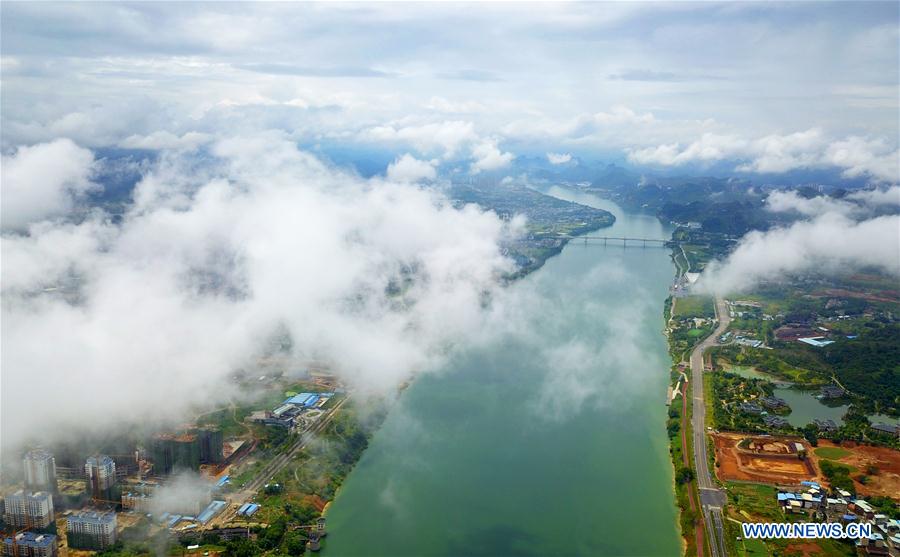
(771, 86)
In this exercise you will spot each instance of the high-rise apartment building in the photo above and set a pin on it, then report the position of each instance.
(40, 471)
(100, 475)
(30, 544)
(29, 510)
(91, 530)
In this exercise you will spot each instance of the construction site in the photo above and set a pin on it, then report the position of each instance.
(782, 460)
(69, 505)
(881, 465)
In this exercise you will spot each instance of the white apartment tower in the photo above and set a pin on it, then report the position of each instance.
(29, 510)
(91, 530)
(100, 474)
(40, 471)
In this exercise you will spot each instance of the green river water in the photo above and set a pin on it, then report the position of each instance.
(546, 438)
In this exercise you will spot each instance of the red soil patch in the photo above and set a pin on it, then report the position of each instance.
(770, 460)
(886, 482)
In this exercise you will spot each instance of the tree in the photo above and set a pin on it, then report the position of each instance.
(241, 548)
(684, 475)
(810, 432)
(294, 543)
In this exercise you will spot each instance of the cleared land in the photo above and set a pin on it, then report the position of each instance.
(767, 460)
(773, 460)
(885, 481)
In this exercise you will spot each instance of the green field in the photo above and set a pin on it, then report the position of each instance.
(695, 306)
(758, 500)
(833, 453)
(753, 548)
(852, 469)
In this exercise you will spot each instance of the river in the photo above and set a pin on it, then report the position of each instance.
(546, 438)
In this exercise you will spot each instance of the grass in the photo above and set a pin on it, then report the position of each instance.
(753, 547)
(758, 500)
(832, 453)
(852, 469)
(695, 306)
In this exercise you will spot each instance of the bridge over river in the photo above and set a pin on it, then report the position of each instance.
(635, 241)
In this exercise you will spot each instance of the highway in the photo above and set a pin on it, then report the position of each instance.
(712, 499)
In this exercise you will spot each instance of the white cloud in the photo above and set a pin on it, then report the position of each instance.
(830, 243)
(164, 140)
(710, 147)
(841, 235)
(488, 156)
(448, 136)
(44, 181)
(776, 153)
(787, 201)
(780, 153)
(440, 104)
(877, 197)
(410, 169)
(194, 283)
(559, 158)
(860, 156)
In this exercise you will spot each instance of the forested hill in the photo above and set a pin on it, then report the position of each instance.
(870, 365)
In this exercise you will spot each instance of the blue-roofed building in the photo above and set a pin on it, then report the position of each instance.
(173, 520)
(307, 400)
(251, 510)
(211, 511)
(300, 399)
(30, 544)
(223, 480)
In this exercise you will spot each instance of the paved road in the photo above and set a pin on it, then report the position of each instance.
(712, 499)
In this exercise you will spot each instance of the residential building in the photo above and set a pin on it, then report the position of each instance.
(29, 510)
(40, 471)
(91, 530)
(100, 475)
(211, 444)
(774, 421)
(171, 452)
(139, 502)
(751, 408)
(773, 402)
(31, 544)
(886, 428)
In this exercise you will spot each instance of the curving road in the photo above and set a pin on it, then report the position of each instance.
(712, 499)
